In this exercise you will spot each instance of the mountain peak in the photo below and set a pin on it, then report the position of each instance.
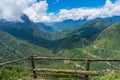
(25, 18)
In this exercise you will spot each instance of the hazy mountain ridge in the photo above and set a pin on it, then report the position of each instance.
(66, 24)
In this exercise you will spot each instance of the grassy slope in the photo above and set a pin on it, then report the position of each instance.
(107, 43)
(110, 37)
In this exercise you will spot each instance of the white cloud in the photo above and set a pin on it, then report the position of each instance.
(11, 9)
(108, 10)
(37, 11)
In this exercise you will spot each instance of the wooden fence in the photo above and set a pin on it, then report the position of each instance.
(86, 73)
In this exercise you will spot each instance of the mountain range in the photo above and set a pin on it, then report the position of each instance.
(81, 38)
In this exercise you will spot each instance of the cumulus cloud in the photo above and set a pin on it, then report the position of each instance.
(11, 10)
(37, 12)
(108, 10)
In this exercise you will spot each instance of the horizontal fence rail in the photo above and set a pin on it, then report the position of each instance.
(54, 58)
(13, 61)
(78, 59)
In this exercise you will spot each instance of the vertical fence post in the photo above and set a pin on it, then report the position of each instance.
(87, 69)
(33, 66)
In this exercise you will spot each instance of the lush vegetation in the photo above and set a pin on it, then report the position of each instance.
(10, 73)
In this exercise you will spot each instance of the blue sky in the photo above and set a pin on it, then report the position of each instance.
(56, 5)
(58, 10)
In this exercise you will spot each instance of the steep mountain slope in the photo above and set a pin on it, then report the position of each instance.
(12, 48)
(107, 44)
(110, 37)
(44, 27)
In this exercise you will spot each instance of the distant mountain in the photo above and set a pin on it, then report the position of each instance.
(44, 27)
(71, 24)
(98, 23)
(67, 24)
(85, 34)
(114, 19)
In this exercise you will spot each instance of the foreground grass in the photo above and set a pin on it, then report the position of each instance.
(9, 73)
(108, 76)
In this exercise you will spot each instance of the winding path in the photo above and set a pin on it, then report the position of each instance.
(96, 47)
(88, 53)
(94, 56)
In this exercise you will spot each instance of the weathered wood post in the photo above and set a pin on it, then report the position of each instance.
(33, 66)
(87, 69)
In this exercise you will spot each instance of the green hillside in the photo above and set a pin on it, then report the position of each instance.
(13, 48)
(110, 38)
(107, 44)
